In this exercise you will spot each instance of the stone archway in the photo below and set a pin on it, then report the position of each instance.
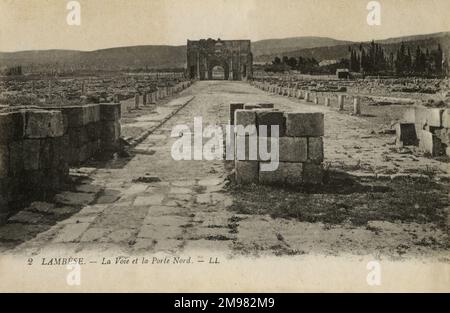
(234, 56)
(216, 62)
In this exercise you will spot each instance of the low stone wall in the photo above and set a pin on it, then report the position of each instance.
(429, 128)
(37, 146)
(90, 129)
(294, 91)
(32, 156)
(300, 145)
(161, 93)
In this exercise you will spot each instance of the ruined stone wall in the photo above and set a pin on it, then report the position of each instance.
(429, 128)
(300, 145)
(32, 162)
(90, 129)
(38, 145)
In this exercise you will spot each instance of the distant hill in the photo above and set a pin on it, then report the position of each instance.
(321, 48)
(113, 58)
(274, 46)
(340, 51)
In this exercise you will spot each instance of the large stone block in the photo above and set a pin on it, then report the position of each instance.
(286, 174)
(435, 117)
(78, 136)
(444, 135)
(290, 149)
(110, 134)
(406, 134)
(75, 116)
(45, 154)
(93, 131)
(11, 126)
(428, 116)
(312, 173)
(110, 111)
(304, 124)
(16, 157)
(44, 124)
(245, 118)
(91, 113)
(246, 148)
(59, 152)
(246, 172)
(446, 118)
(233, 107)
(31, 151)
(430, 143)
(270, 118)
(4, 160)
(315, 149)
(410, 115)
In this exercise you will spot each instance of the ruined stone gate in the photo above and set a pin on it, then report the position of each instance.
(233, 56)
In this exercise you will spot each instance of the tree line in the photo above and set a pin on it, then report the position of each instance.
(371, 59)
(375, 60)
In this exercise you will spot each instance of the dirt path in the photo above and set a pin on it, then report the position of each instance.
(151, 203)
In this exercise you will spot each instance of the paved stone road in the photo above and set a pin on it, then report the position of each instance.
(182, 205)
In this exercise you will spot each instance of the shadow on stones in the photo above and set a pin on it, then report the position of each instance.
(39, 216)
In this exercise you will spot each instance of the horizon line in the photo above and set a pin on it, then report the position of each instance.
(184, 45)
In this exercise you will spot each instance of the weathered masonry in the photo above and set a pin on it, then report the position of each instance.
(233, 56)
(300, 144)
(37, 146)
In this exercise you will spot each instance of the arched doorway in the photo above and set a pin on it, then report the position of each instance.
(218, 69)
(218, 72)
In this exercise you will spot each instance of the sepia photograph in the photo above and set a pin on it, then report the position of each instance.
(224, 146)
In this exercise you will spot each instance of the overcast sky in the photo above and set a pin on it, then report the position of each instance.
(41, 24)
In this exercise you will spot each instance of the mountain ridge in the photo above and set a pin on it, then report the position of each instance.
(171, 56)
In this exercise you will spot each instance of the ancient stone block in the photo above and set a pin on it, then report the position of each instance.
(312, 173)
(315, 149)
(409, 116)
(430, 143)
(446, 118)
(11, 127)
(75, 116)
(356, 106)
(307, 96)
(304, 124)
(43, 124)
(434, 117)
(428, 116)
(444, 135)
(269, 118)
(233, 107)
(246, 148)
(45, 154)
(110, 134)
(406, 134)
(91, 113)
(16, 157)
(286, 174)
(291, 149)
(341, 102)
(31, 150)
(78, 136)
(245, 118)
(246, 172)
(4, 160)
